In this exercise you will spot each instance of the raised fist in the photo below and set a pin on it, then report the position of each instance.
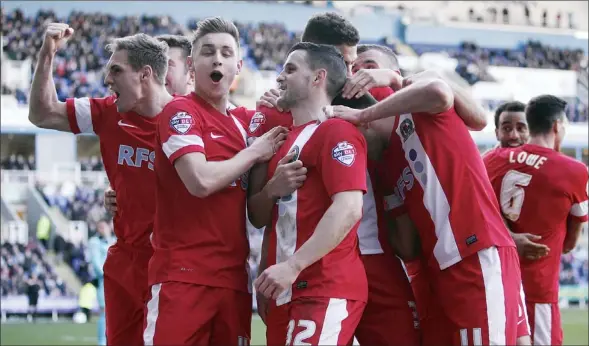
(55, 35)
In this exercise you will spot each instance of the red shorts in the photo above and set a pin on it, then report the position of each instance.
(181, 313)
(433, 324)
(481, 296)
(545, 323)
(389, 299)
(322, 321)
(125, 293)
(276, 324)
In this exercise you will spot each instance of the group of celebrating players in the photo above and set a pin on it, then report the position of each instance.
(382, 223)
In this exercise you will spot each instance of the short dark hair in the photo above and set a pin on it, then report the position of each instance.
(326, 57)
(383, 49)
(215, 25)
(543, 111)
(330, 28)
(177, 41)
(513, 106)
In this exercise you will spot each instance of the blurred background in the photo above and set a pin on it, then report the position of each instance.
(53, 183)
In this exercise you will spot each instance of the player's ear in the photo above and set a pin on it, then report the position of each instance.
(497, 134)
(320, 76)
(189, 62)
(146, 73)
(239, 66)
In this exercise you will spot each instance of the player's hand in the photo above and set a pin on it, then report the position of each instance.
(55, 35)
(270, 100)
(288, 177)
(262, 306)
(110, 200)
(365, 79)
(346, 113)
(265, 146)
(526, 247)
(276, 279)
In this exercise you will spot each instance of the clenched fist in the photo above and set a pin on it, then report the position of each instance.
(55, 35)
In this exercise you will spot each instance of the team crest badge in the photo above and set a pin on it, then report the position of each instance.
(345, 153)
(181, 122)
(257, 120)
(407, 128)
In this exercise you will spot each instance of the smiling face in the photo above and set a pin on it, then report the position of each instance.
(513, 129)
(294, 80)
(123, 81)
(215, 62)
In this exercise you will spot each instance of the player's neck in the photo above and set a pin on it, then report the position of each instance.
(220, 104)
(545, 141)
(310, 110)
(154, 102)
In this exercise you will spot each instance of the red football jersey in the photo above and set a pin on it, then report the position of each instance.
(127, 149)
(198, 240)
(436, 174)
(538, 189)
(334, 153)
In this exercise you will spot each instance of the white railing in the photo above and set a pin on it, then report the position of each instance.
(15, 232)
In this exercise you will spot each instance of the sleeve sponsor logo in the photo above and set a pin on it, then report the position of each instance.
(345, 153)
(257, 120)
(181, 122)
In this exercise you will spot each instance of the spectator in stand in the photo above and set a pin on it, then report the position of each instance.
(33, 288)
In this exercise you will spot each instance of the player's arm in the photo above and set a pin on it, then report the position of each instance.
(203, 178)
(341, 216)
(403, 237)
(45, 110)
(288, 176)
(574, 229)
(578, 213)
(261, 300)
(468, 109)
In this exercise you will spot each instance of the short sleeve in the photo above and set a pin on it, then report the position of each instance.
(579, 196)
(180, 131)
(86, 115)
(265, 119)
(342, 158)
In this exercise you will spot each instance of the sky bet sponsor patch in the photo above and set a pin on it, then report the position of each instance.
(181, 122)
(344, 153)
(257, 120)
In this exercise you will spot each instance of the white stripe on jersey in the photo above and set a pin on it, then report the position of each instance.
(579, 209)
(368, 229)
(286, 224)
(83, 115)
(177, 142)
(434, 199)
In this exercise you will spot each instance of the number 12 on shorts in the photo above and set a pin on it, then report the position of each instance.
(308, 330)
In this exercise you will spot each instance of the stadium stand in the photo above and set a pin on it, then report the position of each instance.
(78, 73)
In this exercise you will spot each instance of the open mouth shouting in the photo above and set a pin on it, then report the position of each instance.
(216, 76)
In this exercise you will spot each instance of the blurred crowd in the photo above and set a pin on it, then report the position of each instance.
(78, 67)
(18, 162)
(574, 268)
(22, 266)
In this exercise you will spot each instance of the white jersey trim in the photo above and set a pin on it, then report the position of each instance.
(579, 209)
(177, 142)
(434, 198)
(83, 114)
